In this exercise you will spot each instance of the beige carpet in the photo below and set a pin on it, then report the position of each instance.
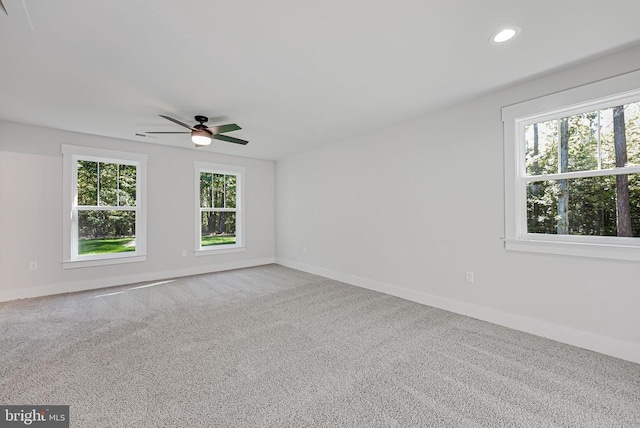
(274, 347)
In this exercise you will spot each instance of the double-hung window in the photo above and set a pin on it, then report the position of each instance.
(572, 163)
(104, 209)
(219, 215)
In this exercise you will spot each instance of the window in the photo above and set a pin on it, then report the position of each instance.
(219, 208)
(572, 164)
(104, 206)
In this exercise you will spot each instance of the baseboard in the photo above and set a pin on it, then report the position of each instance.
(583, 339)
(69, 287)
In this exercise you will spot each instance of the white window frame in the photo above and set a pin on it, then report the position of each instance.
(599, 95)
(70, 157)
(213, 168)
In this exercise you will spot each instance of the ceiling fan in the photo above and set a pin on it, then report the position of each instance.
(201, 134)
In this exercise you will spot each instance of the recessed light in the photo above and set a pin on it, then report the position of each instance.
(504, 35)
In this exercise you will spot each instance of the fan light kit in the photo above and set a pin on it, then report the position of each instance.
(504, 35)
(201, 135)
(200, 138)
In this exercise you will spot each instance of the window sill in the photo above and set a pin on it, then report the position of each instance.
(74, 264)
(580, 249)
(220, 250)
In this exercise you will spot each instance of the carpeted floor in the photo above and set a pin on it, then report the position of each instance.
(274, 347)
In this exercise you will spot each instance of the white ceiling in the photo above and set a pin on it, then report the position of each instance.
(294, 74)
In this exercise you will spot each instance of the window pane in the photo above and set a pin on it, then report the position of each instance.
(578, 138)
(206, 186)
(87, 183)
(127, 186)
(218, 190)
(606, 139)
(230, 191)
(108, 184)
(632, 126)
(541, 148)
(628, 152)
(218, 228)
(105, 232)
(584, 206)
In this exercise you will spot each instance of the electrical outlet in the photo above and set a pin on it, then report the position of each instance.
(469, 277)
(33, 266)
(184, 253)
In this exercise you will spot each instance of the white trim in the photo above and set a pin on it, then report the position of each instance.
(71, 154)
(577, 107)
(102, 154)
(213, 168)
(110, 281)
(629, 351)
(222, 249)
(217, 168)
(594, 96)
(583, 174)
(115, 259)
(594, 93)
(548, 246)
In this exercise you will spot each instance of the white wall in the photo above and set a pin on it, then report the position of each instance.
(31, 214)
(409, 210)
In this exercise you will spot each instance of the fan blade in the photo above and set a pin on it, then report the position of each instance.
(218, 119)
(229, 139)
(223, 128)
(178, 122)
(156, 132)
